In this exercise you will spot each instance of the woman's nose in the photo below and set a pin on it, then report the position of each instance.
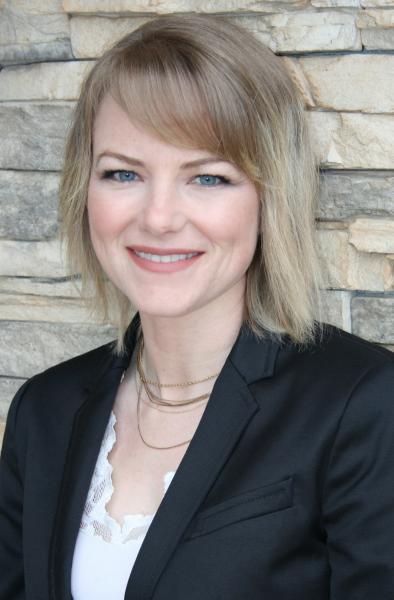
(162, 210)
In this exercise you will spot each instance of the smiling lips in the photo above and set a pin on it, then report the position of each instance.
(169, 260)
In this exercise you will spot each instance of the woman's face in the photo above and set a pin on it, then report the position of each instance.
(175, 229)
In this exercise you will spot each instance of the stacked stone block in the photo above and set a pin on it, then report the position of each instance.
(340, 54)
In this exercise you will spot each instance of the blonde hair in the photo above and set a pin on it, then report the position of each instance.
(204, 82)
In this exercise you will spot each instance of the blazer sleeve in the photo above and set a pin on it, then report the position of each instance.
(11, 510)
(358, 498)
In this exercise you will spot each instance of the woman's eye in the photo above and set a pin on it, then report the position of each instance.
(121, 176)
(212, 180)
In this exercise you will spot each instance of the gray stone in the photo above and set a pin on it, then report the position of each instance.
(27, 347)
(33, 135)
(8, 389)
(31, 33)
(28, 205)
(335, 3)
(43, 81)
(373, 318)
(63, 288)
(336, 308)
(348, 194)
(378, 39)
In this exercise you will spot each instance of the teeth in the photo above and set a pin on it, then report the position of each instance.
(165, 258)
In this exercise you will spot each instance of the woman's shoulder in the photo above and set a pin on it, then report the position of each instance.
(63, 384)
(337, 348)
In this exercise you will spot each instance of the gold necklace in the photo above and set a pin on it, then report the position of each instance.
(139, 426)
(163, 402)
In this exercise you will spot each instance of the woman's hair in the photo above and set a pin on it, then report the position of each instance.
(204, 82)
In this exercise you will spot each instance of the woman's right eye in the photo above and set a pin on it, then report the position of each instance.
(121, 175)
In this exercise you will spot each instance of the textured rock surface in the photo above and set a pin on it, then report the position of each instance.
(40, 308)
(353, 140)
(28, 348)
(335, 3)
(362, 82)
(344, 195)
(31, 259)
(172, 6)
(33, 135)
(345, 268)
(62, 288)
(91, 36)
(377, 29)
(8, 389)
(373, 318)
(306, 31)
(372, 235)
(44, 81)
(336, 308)
(33, 31)
(377, 3)
(28, 205)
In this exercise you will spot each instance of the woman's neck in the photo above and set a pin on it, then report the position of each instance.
(190, 347)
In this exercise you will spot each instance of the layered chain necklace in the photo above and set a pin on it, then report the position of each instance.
(156, 401)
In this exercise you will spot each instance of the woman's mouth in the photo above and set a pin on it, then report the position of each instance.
(163, 260)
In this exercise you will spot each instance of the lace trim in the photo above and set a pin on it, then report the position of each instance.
(95, 519)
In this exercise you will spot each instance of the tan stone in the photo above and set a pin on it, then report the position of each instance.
(91, 36)
(40, 308)
(377, 28)
(372, 3)
(345, 268)
(353, 141)
(355, 82)
(372, 235)
(31, 259)
(375, 18)
(43, 81)
(305, 31)
(170, 6)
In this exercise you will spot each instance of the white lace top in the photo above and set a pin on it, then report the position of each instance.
(106, 550)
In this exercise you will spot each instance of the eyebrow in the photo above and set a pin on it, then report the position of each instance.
(136, 162)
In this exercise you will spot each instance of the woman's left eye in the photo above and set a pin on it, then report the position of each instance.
(212, 180)
(121, 176)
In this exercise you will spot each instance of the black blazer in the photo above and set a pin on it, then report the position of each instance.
(286, 491)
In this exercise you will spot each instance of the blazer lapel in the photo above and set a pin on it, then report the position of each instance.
(228, 412)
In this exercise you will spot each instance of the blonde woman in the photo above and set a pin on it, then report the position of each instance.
(230, 445)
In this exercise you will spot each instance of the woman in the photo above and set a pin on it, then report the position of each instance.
(233, 447)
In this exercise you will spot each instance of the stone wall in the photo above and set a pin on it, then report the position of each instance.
(341, 55)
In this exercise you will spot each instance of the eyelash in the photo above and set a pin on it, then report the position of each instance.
(110, 174)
